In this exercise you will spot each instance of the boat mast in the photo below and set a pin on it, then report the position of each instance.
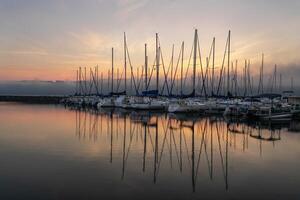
(172, 65)
(101, 83)
(232, 77)
(228, 65)
(207, 73)
(222, 77)
(292, 83)
(85, 86)
(280, 82)
(97, 79)
(125, 64)
(249, 78)
(245, 78)
(157, 61)
(236, 76)
(195, 60)
(193, 157)
(80, 84)
(213, 67)
(138, 76)
(76, 92)
(112, 70)
(90, 83)
(275, 78)
(146, 68)
(262, 74)
(108, 79)
(181, 74)
(118, 79)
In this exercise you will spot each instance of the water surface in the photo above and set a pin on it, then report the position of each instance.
(52, 152)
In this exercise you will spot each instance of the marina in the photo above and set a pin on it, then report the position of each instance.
(149, 99)
(267, 103)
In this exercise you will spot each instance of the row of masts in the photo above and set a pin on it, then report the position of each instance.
(205, 83)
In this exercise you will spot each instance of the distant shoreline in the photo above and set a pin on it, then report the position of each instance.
(37, 99)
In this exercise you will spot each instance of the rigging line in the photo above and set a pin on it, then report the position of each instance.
(174, 141)
(119, 81)
(208, 62)
(172, 82)
(168, 143)
(169, 148)
(163, 146)
(140, 80)
(132, 75)
(222, 68)
(149, 80)
(83, 83)
(236, 79)
(164, 70)
(94, 125)
(168, 71)
(172, 65)
(130, 142)
(165, 129)
(206, 155)
(186, 147)
(141, 136)
(201, 66)
(205, 78)
(249, 78)
(200, 150)
(123, 156)
(94, 80)
(186, 72)
(260, 85)
(90, 83)
(220, 150)
(210, 52)
(151, 141)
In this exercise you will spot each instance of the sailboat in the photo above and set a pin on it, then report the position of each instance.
(187, 105)
(110, 100)
(149, 99)
(190, 104)
(123, 100)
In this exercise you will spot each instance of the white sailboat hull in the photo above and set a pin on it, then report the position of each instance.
(183, 108)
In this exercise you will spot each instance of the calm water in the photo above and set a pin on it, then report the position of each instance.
(50, 152)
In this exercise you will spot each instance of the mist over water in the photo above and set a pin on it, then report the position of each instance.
(50, 152)
(35, 87)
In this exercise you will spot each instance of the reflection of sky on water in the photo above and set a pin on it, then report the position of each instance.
(48, 151)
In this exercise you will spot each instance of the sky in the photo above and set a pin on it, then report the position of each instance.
(49, 39)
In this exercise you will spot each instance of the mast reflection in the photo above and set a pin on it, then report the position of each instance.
(198, 145)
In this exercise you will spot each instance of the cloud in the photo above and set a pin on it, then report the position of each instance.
(129, 12)
(26, 52)
(128, 6)
(90, 40)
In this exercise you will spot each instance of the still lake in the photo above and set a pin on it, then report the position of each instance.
(52, 152)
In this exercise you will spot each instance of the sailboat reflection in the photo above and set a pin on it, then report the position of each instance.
(198, 145)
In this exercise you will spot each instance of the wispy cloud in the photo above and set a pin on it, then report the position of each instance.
(26, 52)
(90, 40)
(127, 7)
